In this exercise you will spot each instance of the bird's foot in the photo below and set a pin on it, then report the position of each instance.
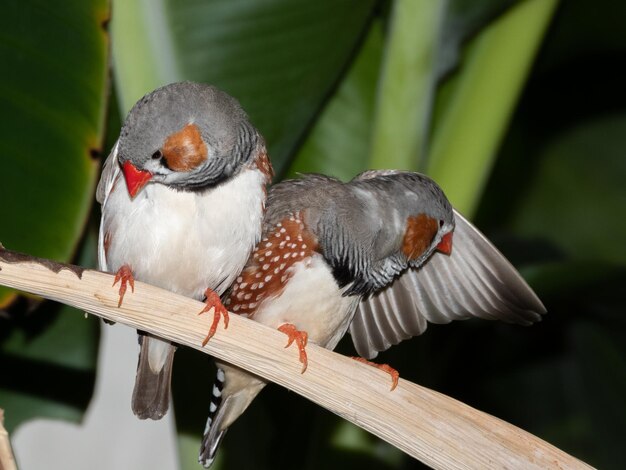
(300, 337)
(395, 375)
(213, 302)
(124, 276)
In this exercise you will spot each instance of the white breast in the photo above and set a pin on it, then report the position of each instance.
(312, 301)
(184, 241)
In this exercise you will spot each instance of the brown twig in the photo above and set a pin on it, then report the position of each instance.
(438, 430)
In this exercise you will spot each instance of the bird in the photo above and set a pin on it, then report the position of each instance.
(182, 197)
(380, 256)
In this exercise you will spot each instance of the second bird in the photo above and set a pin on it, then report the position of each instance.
(183, 195)
(374, 255)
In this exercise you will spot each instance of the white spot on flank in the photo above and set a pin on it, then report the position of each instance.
(243, 285)
(212, 407)
(282, 265)
(216, 391)
(252, 305)
(275, 258)
(287, 238)
(258, 275)
(240, 296)
(304, 246)
(239, 279)
(235, 308)
(283, 230)
(261, 284)
(268, 278)
(268, 244)
(282, 244)
(302, 253)
(276, 271)
(220, 375)
(268, 252)
(294, 255)
(261, 259)
(286, 255)
(254, 286)
(247, 297)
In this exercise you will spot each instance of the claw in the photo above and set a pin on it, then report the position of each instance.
(213, 302)
(125, 275)
(395, 375)
(300, 337)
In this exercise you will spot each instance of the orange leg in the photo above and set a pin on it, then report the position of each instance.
(395, 375)
(300, 337)
(213, 301)
(125, 275)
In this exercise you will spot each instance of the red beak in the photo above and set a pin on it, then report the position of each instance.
(445, 245)
(135, 179)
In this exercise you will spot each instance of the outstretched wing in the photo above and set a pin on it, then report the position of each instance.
(475, 280)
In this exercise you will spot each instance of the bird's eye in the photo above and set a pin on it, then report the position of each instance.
(441, 223)
(157, 155)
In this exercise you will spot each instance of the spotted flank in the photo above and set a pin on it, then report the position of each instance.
(268, 270)
(208, 448)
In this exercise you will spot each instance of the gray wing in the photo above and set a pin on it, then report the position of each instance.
(110, 172)
(476, 280)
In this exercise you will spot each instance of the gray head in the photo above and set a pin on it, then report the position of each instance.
(186, 135)
(411, 194)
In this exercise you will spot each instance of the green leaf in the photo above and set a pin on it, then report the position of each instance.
(52, 94)
(478, 108)
(279, 58)
(338, 144)
(407, 85)
(47, 364)
(48, 355)
(578, 195)
(423, 45)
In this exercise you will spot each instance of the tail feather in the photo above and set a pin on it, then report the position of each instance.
(212, 433)
(233, 391)
(151, 395)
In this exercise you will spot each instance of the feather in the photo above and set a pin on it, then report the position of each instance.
(110, 172)
(233, 392)
(476, 280)
(151, 395)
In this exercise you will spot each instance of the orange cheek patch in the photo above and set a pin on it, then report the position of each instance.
(185, 149)
(420, 231)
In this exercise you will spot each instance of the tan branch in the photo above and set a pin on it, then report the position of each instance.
(7, 462)
(436, 429)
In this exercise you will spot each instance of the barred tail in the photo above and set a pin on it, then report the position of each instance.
(212, 433)
(233, 391)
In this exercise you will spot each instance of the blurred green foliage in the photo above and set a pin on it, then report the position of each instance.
(53, 95)
(534, 147)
